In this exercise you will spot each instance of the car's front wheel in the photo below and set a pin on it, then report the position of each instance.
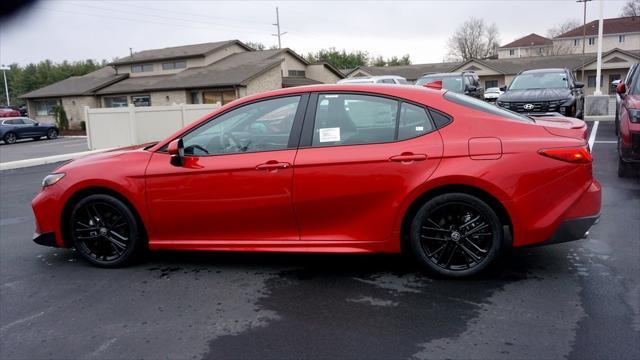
(10, 138)
(52, 134)
(105, 231)
(456, 235)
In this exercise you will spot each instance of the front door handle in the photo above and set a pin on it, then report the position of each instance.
(408, 157)
(273, 165)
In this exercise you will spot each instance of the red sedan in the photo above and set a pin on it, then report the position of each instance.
(336, 169)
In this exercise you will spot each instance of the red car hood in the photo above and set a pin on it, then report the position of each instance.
(104, 155)
(564, 126)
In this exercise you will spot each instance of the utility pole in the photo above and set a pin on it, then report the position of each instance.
(6, 87)
(599, 62)
(131, 51)
(584, 32)
(277, 25)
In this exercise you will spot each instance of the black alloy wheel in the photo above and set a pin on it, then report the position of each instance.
(10, 138)
(105, 231)
(456, 235)
(52, 134)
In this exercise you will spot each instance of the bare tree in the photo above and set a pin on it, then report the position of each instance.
(563, 27)
(631, 8)
(474, 39)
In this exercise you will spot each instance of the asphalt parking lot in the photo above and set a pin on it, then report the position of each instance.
(29, 149)
(578, 300)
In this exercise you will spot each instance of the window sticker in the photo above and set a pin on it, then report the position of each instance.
(329, 134)
(419, 128)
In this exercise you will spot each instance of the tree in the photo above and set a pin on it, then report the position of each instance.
(395, 61)
(563, 27)
(341, 59)
(255, 45)
(474, 39)
(61, 117)
(631, 8)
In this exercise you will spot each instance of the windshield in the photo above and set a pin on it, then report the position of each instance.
(555, 80)
(453, 82)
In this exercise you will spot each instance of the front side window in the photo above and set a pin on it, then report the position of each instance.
(414, 121)
(27, 121)
(387, 81)
(350, 119)
(45, 107)
(554, 80)
(115, 101)
(261, 126)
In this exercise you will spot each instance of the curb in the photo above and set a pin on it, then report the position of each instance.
(46, 160)
(73, 136)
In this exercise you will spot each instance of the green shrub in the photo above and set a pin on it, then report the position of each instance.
(61, 117)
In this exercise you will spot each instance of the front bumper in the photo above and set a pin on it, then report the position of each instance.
(45, 239)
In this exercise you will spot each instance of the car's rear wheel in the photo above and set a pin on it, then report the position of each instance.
(10, 138)
(456, 235)
(52, 134)
(105, 231)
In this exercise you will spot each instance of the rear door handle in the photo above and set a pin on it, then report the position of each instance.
(273, 165)
(408, 157)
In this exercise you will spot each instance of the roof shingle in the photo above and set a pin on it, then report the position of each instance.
(177, 52)
(529, 40)
(610, 26)
(77, 85)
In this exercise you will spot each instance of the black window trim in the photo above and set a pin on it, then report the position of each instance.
(294, 136)
(306, 139)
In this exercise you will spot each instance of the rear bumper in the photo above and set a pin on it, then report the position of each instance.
(630, 151)
(571, 230)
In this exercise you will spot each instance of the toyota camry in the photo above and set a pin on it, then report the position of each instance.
(333, 169)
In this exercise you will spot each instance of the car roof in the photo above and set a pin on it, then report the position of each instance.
(550, 70)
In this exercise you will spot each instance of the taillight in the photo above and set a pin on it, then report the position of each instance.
(580, 155)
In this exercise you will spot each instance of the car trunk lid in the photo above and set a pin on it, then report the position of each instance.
(564, 126)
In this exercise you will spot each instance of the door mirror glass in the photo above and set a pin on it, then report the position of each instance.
(503, 88)
(176, 150)
(621, 88)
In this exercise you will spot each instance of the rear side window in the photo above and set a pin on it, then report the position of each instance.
(480, 105)
(414, 121)
(440, 119)
(350, 119)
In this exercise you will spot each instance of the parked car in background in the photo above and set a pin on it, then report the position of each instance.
(22, 109)
(629, 125)
(14, 128)
(374, 169)
(466, 82)
(24, 112)
(384, 79)
(544, 92)
(8, 112)
(627, 80)
(491, 94)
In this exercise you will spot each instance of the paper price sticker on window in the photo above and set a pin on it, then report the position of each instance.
(329, 134)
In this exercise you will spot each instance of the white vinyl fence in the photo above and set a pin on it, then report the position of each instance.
(117, 127)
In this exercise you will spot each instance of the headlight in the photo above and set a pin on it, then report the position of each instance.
(634, 115)
(51, 179)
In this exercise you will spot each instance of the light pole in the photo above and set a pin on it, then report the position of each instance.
(6, 87)
(584, 32)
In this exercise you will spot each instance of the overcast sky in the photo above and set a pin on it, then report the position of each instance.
(76, 30)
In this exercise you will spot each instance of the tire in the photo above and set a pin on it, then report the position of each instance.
(617, 123)
(624, 169)
(438, 238)
(10, 138)
(105, 231)
(52, 134)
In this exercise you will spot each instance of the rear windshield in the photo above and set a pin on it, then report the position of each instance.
(453, 82)
(554, 80)
(477, 104)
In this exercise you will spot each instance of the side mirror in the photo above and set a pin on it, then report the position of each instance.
(578, 85)
(503, 88)
(36, 123)
(470, 88)
(621, 88)
(176, 150)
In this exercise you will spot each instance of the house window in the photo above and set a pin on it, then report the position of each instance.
(620, 38)
(218, 97)
(540, 50)
(141, 100)
(297, 73)
(592, 41)
(196, 97)
(490, 84)
(576, 42)
(512, 52)
(45, 107)
(174, 65)
(115, 101)
(136, 68)
(591, 80)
